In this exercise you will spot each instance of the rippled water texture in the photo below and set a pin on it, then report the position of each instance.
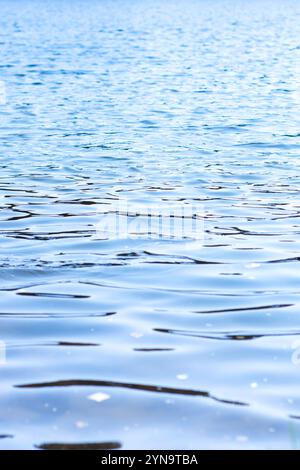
(147, 342)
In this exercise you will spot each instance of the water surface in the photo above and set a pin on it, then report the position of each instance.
(150, 342)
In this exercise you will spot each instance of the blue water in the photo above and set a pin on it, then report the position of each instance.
(150, 342)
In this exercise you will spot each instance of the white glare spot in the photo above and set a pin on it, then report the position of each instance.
(98, 397)
(182, 376)
(254, 385)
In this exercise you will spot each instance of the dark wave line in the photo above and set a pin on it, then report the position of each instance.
(153, 349)
(53, 295)
(187, 258)
(55, 315)
(80, 446)
(71, 343)
(243, 309)
(132, 386)
(224, 336)
(294, 417)
(286, 260)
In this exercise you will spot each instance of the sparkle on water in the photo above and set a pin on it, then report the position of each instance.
(193, 101)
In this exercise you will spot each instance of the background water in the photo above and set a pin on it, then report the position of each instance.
(150, 343)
